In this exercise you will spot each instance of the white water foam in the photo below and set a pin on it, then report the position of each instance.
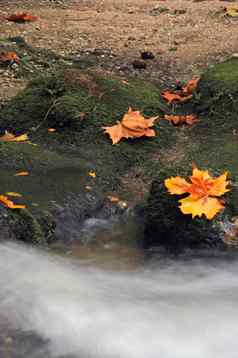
(179, 311)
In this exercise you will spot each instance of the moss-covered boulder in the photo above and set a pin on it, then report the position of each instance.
(211, 144)
(78, 104)
(218, 91)
(31, 227)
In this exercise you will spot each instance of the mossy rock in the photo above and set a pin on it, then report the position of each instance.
(76, 100)
(167, 227)
(218, 91)
(23, 155)
(78, 104)
(25, 227)
(31, 227)
(212, 144)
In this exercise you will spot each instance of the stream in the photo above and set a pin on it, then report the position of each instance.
(58, 306)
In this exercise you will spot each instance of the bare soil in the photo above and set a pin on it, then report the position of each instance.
(185, 36)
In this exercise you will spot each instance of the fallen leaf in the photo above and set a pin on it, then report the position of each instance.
(51, 130)
(92, 174)
(190, 86)
(9, 58)
(197, 207)
(113, 199)
(132, 125)
(179, 119)
(21, 174)
(177, 185)
(182, 93)
(23, 17)
(176, 96)
(12, 193)
(203, 191)
(9, 137)
(10, 204)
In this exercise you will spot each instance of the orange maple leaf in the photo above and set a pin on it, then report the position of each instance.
(132, 125)
(9, 203)
(23, 17)
(179, 119)
(183, 94)
(9, 58)
(203, 191)
(190, 86)
(175, 96)
(9, 137)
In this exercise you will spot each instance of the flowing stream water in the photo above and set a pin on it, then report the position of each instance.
(52, 306)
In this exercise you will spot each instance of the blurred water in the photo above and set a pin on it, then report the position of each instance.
(179, 310)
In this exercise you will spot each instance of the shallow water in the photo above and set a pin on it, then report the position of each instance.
(67, 308)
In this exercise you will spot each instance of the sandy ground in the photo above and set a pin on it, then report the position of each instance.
(184, 35)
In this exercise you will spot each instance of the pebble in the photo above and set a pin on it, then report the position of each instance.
(139, 65)
(147, 55)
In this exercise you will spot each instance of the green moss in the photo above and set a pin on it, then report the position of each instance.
(78, 105)
(20, 155)
(226, 72)
(218, 92)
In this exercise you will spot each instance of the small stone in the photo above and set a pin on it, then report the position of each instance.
(139, 65)
(147, 55)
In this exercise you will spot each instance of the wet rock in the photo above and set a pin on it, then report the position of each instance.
(168, 228)
(80, 213)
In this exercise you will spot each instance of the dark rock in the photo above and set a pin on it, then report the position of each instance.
(147, 55)
(139, 65)
(168, 228)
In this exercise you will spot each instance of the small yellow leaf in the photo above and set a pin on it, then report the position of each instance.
(12, 193)
(51, 130)
(92, 174)
(9, 204)
(9, 137)
(21, 174)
